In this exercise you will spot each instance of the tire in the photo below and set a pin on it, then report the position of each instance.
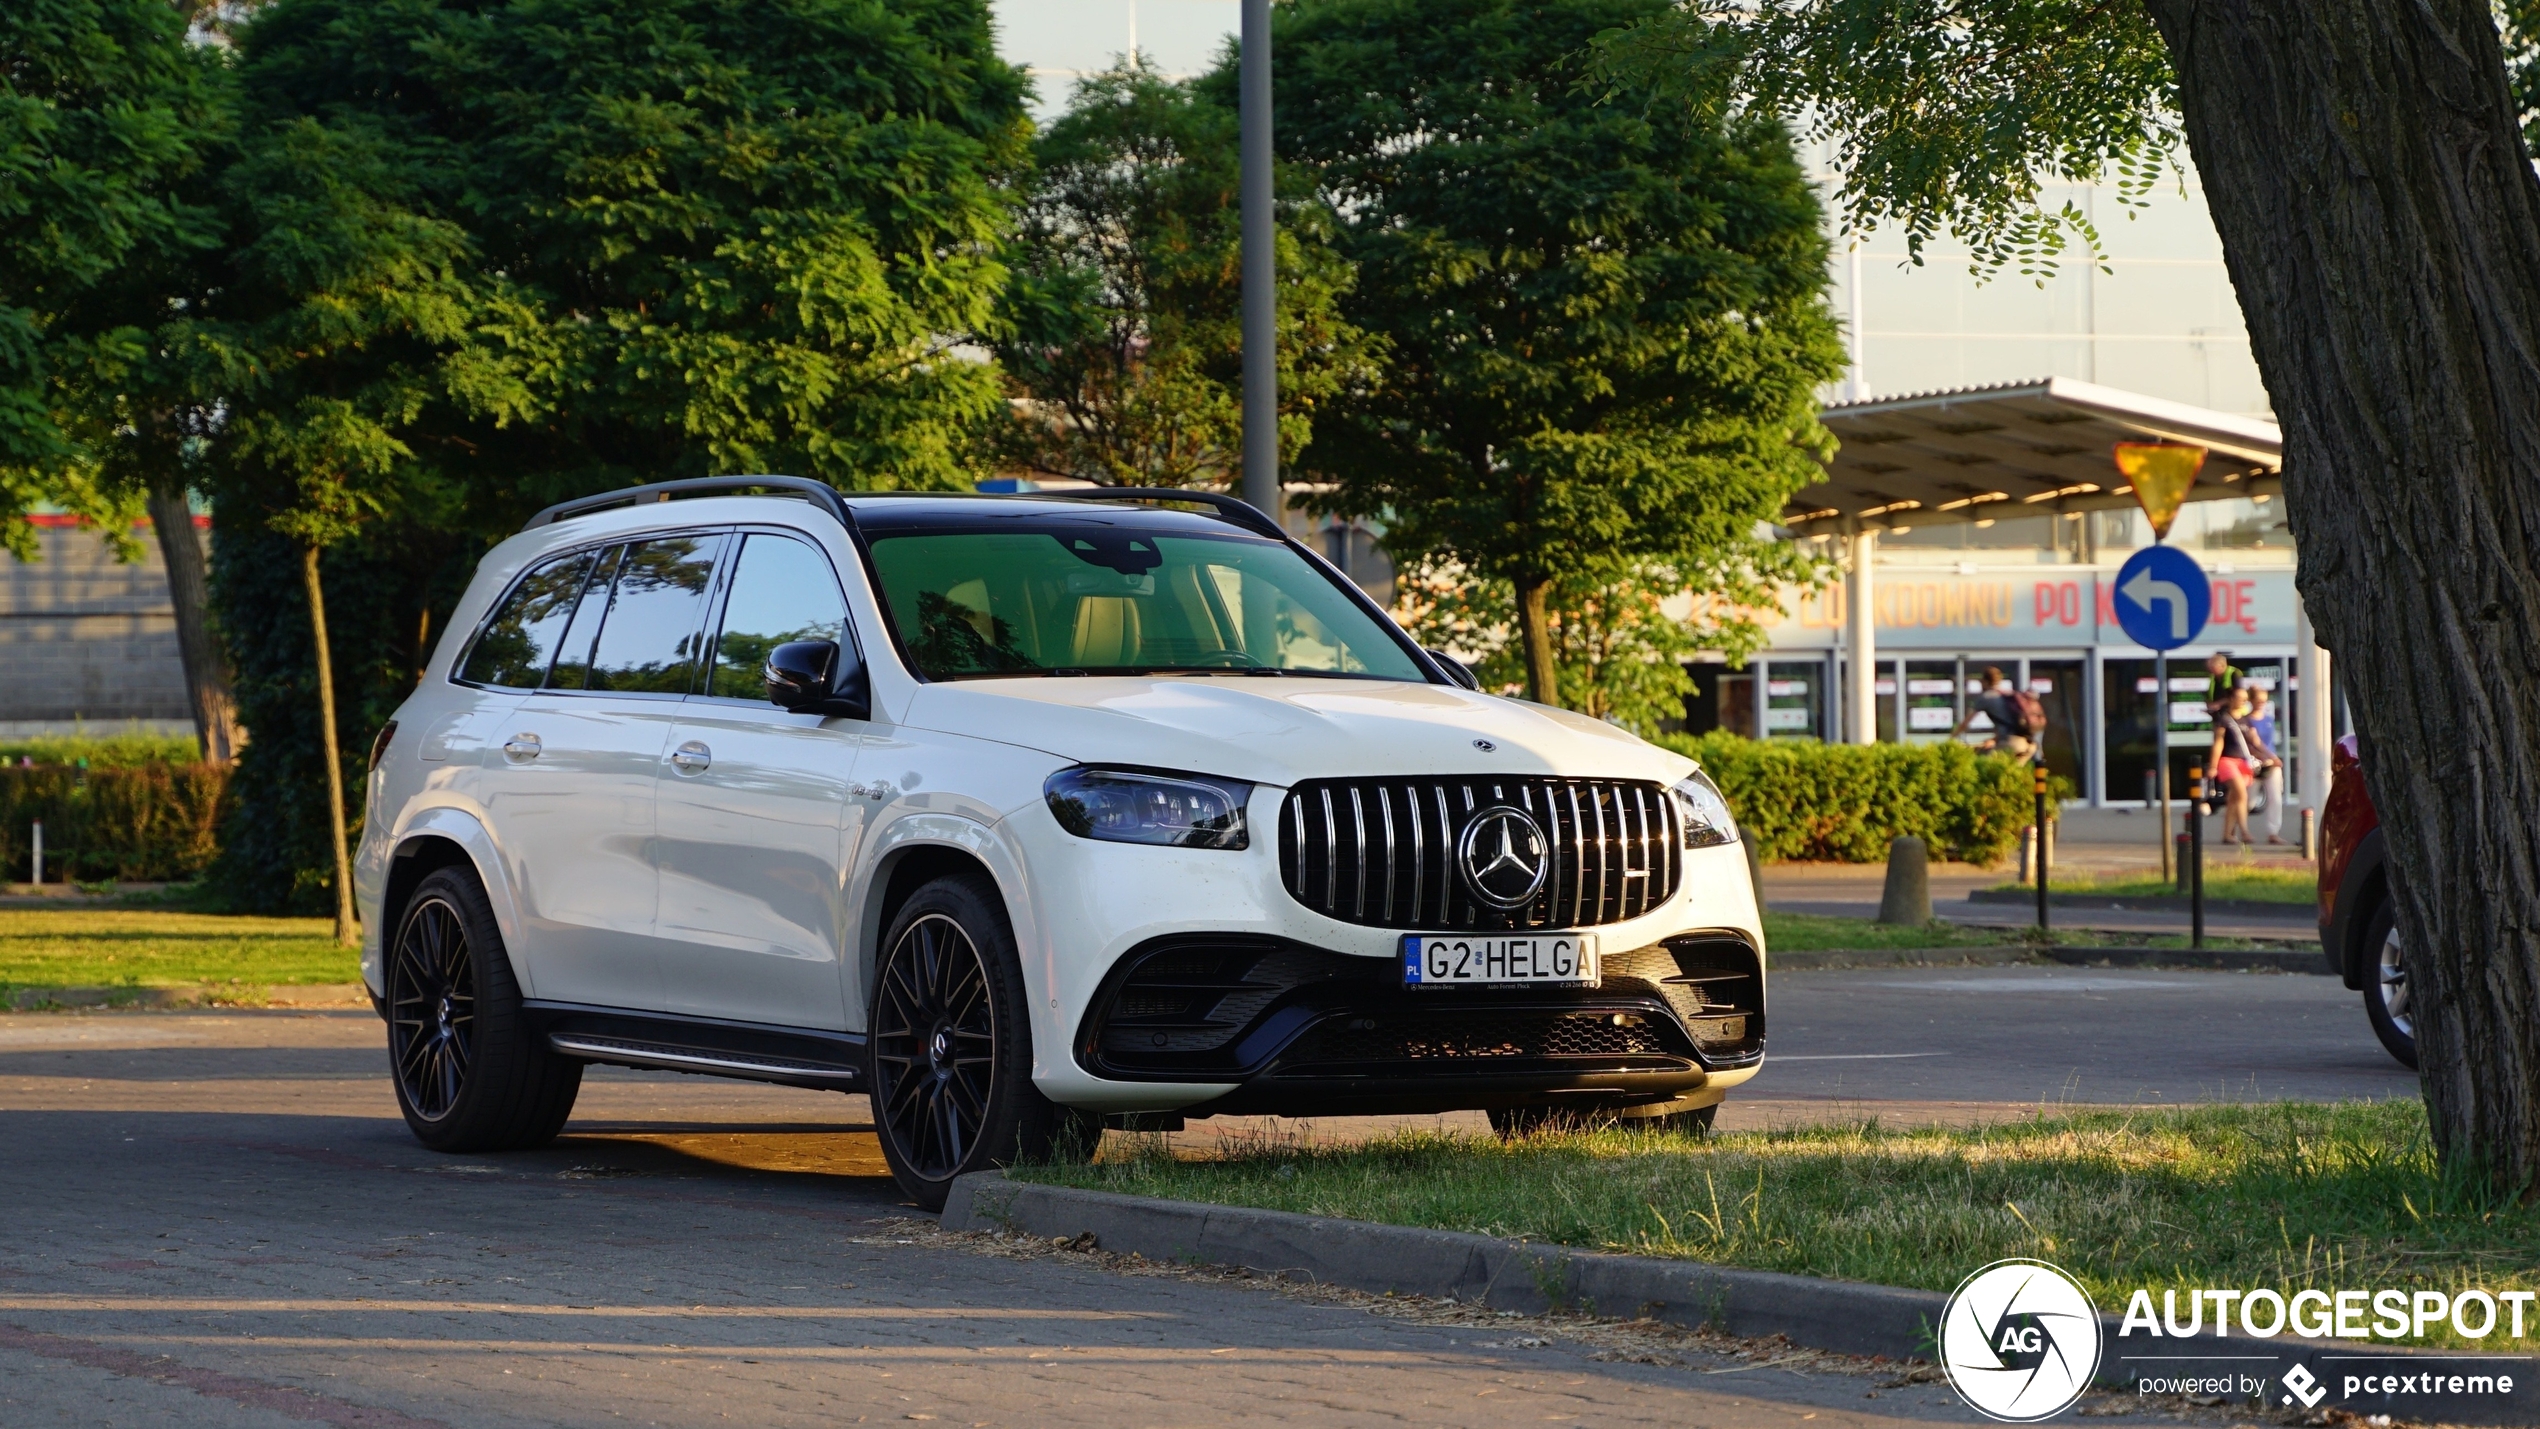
(471, 1075)
(1514, 1122)
(2388, 1004)
(950, 1042)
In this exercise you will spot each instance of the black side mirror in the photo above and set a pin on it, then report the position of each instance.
(805, 676)
(1455, 669)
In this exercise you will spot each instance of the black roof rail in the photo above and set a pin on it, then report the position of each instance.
(1242, 513)
(818, 493)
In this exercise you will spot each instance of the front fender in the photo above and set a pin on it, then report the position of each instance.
(919, 829)
(463, 828)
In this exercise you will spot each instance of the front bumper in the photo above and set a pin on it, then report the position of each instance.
(1298, 1030)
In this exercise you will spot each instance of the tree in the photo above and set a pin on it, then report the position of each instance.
(2379, 214)
(1617, 653)
(110, 121)
(1123, 327)
(485, 256)
(1604, 321)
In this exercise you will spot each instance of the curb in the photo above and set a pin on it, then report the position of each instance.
(1840, 1315)
(1503, 1275)
(2149, 903)
(324, 994)
(2290, 960)
(2287, 960)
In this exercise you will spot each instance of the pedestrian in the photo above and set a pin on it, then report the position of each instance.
(2221, 678)
(2234, 763)
(2011, 714)
(2262, 738)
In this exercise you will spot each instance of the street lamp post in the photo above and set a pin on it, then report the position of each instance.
(1260, 269)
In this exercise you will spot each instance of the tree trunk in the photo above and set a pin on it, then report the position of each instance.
(2382, 225)
(330, 741)
(1534, 627)
(189, 590)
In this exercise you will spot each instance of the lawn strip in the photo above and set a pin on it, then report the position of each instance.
(128, 947)
(2284, 1195)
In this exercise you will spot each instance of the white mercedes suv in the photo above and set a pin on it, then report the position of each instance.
(1020, 815)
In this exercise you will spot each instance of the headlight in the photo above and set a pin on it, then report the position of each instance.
(1121, 807)
(1708, 822)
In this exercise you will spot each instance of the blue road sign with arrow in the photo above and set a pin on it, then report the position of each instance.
(2163, 597)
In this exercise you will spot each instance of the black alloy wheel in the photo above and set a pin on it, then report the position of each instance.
(431, 1008)
(2387, 1001)
(471, 1072)
(935, 1046)
(951, 1046)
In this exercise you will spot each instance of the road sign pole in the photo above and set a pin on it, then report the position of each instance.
(2161, 752)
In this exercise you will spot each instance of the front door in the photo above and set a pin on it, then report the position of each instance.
(758, 812)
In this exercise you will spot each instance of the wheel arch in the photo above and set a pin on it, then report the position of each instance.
(916, 851)
(437, 839)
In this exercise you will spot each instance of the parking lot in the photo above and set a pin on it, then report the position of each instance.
(217, 1219)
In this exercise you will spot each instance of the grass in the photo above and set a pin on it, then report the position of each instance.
(2222, 880)
(2289, 1195)
(1813, 932)
(130, 947)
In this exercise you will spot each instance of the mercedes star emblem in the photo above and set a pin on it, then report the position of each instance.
(1503, 856)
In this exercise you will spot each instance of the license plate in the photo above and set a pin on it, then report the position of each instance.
(1460, 960)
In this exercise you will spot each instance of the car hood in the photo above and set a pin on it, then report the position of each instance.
(1281, 730)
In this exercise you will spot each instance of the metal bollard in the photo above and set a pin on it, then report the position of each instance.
(2028, 853)
(2310, 835)
(39, 852)
(2045, 832)
(2196, 856)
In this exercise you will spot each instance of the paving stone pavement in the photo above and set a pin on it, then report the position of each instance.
(217, 1219)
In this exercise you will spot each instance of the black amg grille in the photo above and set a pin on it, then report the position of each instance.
(1381, 852)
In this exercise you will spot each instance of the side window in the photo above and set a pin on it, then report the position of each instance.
(782, 589)
(518, 643)
(650, 637)
(573, 654)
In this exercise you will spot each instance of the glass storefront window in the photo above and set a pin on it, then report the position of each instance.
(1931, 700)
(2059, 685)
(1794, 700)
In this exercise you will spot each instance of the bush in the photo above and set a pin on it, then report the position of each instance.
(103, 751)
(151, 822)
(1798, 799)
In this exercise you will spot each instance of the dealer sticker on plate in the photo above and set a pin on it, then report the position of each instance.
(1462, 960)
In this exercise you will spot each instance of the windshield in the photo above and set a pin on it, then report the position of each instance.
(1090, 598)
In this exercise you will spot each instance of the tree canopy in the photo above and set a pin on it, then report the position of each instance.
(1604, 321)
(105, 114)
(1122, 327)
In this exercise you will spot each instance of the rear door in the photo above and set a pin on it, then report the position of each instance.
(758, 814)
(572, 797)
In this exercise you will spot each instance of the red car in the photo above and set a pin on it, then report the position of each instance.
(2358, 933)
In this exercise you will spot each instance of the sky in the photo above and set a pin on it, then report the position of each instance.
(1057, 38)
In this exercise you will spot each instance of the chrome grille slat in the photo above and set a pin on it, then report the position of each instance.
(1611, 846)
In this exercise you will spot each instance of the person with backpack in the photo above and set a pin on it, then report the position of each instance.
(2018, 717)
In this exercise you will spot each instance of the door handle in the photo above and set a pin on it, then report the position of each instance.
(521, 748)
(692, 757)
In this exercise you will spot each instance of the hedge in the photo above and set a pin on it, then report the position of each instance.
(1798, 799)
(151, 823)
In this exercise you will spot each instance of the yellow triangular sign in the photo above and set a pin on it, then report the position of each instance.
(2161, 472)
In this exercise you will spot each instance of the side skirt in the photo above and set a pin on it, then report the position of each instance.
(706, 1046)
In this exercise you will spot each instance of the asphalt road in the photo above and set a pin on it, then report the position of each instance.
(218, 1220)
